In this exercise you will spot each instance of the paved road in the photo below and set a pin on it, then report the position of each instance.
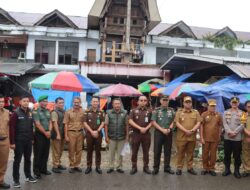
(140, 181)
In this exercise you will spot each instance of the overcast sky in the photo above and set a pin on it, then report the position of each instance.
(206, 13)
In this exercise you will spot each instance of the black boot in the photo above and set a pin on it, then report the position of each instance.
(227, 171)
(237, 172)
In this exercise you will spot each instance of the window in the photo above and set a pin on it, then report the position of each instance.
(45, 51)
(134, 22)
(115, 20)
(122, 20)
(68, 53)
(187, 51)
(163, 54)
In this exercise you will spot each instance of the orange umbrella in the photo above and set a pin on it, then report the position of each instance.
(157, 92)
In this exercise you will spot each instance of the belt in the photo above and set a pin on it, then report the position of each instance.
(75, 130)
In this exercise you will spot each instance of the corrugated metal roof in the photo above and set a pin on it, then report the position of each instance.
(18, 69)
(199, 32)
(240, 66)
(29, 19)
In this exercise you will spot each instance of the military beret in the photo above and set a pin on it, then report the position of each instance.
(165, 97)
(234, 99)
(42, 98)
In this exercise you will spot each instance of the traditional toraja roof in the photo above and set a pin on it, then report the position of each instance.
(201, 32)
(8, 17)
(184, 28)
(96, 13)
(30, 19)
(46, 18)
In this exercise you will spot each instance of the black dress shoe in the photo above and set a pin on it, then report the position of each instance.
(61, 167)
(155, 171)
(147, 171)
(245, 174)
(192, 171)
(169, 170)
(56, 170)
(178, 172)
(237, 174)
(98, 170)
(77, 169)
(109, 171)
(212, 173)
(46, 173)
(38, 176)
(4, 186)
(133, 171)
(88, 170)
(227, 172)
(204, 172)
(121, 171)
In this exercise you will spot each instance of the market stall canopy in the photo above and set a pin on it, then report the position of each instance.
(64, 81)
(192, 63)
(18, 69)
(120, 90)
(151, 85)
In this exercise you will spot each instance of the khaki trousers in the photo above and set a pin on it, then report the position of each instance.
(185, 148)
(75, 148)
(115, 148)
(4, 156)
(57, 150)
(246, 156)
(209, 152)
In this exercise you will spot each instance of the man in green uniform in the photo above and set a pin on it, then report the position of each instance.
(42, 135)
(57, 135)
(163, 118)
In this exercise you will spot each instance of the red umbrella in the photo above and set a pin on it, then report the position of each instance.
(120, 90)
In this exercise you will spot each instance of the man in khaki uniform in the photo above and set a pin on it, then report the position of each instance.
(4, 142)
(246, 142)
(57, 135)
(187, 121)
(73, 119)
(210, 132)
(94, 122)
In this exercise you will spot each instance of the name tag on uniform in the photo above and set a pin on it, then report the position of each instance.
(20, 117)
(146, 119)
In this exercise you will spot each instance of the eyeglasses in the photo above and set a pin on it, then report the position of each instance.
(165, 100)
(188, 102)
(143, 100)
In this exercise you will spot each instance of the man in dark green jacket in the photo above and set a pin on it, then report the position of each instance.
(116, 133)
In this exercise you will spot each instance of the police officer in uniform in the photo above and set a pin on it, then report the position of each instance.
(57, 135)
(140, 121)
(163, 118)
(246, 141)
(94, 122)
(21, 137)
(187, 121)
(210, 132)
(4, 142)
(42, 135)
(73, 121)
(233, 137)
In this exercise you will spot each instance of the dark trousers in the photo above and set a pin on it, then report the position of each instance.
(41, 153)
(161, 140)
(137, 140)
(93, 144)
(234, 147)
(23, 148)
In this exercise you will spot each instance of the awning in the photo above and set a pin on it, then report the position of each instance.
(191, 63)
(18, 69)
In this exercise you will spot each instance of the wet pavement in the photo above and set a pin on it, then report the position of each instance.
(139, 181)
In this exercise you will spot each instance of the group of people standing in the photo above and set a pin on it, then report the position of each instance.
(42, 129)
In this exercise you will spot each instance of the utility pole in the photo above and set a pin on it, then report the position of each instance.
(127, 53)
